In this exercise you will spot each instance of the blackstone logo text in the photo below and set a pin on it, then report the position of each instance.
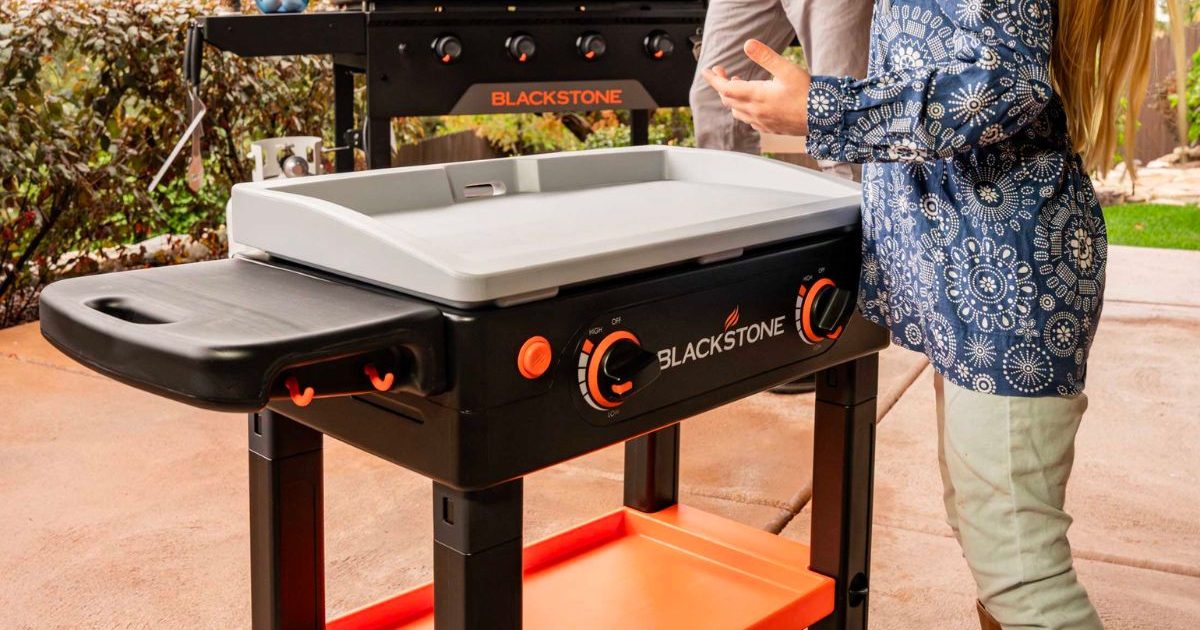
(733, 339)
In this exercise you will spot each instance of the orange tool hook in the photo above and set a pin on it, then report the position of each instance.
(293, 387)
(381, 384)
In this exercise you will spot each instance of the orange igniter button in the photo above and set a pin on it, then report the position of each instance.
(622, 388)
(534, 357)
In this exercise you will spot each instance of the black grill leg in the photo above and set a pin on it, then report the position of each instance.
(843, 471)
(477, 557)
(287, 538)
(343, 116)
(652, 470)
(379, 142)
(639, 127)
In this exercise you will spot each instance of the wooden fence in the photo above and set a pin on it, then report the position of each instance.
(1156, 136)
(455, 147)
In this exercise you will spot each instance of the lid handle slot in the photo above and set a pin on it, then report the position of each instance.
(484, 189)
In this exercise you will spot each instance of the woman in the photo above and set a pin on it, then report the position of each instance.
(983, 245)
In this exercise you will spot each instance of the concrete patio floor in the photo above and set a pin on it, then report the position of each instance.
(120, 509)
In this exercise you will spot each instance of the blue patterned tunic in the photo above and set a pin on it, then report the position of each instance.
(983, 243)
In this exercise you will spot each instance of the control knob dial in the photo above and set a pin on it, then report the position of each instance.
(447, 48)
(591, 45)
(822, 309)
(521, 47)
(617, 368)
(658, 45)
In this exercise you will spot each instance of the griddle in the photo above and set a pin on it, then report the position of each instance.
(499, 231)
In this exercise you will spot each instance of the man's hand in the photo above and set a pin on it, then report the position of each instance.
(779, 105)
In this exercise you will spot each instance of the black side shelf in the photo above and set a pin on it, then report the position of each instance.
(220, 334)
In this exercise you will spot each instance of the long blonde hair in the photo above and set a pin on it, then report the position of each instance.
(1101, 57)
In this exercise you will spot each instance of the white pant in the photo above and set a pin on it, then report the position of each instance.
(1005, 462)
(834, 34)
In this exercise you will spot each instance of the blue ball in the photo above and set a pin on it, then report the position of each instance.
(293, 6)
(268, 6)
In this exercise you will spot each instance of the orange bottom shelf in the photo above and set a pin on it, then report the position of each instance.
(678, 568)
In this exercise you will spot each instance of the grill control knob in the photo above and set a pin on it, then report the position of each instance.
(617, 368)
(822, 309)
(521, 47)
(629, 366)
(658, 45)
(591, 46)
(447, 48)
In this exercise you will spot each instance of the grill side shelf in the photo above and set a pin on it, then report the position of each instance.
(317, 33)
(230, 334)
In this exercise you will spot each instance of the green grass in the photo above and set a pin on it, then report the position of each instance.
(1154, 225)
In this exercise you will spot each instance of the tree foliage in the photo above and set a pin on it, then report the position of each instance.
(91, 100)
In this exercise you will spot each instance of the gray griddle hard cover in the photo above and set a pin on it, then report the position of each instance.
(513, 229)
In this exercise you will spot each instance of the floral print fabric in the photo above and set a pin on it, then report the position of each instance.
(983, 242)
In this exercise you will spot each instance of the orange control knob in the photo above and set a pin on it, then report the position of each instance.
(534, 357)
(824, 310)
(618, 368)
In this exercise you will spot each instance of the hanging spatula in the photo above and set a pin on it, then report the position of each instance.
(195, 169)
(192, 128)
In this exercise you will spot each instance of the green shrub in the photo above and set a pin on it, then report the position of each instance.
(1169, 100)
(91, 100)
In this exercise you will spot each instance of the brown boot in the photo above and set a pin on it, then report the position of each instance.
(986, 621)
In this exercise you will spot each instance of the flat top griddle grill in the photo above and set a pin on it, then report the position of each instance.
(477, 322)
(513, 229)
(475, 57)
